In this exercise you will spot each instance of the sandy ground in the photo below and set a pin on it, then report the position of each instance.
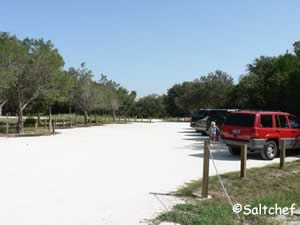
(101, 175)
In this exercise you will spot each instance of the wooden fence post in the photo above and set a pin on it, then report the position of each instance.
(243, 160)
(64, 123)
(282, 148)
(7, 128)
(205, 176)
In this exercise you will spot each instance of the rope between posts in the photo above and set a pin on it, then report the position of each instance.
(162, 203)
(222, 184)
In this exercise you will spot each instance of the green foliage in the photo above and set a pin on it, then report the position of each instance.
(209, 212)
(170, 101)
(210, 91)
(29, 121)
(32, 79)
(270, 84)
(150, 106)
(28, 70)
(297, 48)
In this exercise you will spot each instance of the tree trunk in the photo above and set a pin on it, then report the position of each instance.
(38, 118)
(50, 118)
(75, 120)
(85, 117)
(70, 115)
(114, 114)
(20, 122)
(70, 112)
(96, 122)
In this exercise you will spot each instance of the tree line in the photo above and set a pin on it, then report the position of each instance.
(270, 83)
(33, 81)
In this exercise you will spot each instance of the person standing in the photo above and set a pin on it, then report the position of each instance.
(213, 132)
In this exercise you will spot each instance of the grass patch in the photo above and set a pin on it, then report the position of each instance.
(267, 186)
(209, 212)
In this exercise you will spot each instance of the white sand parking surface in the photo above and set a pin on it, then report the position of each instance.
(100, 175)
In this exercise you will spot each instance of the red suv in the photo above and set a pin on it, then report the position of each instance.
(261, 131)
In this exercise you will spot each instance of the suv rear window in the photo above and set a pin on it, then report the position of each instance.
(199, 115)
(295, 123)
(240, 119)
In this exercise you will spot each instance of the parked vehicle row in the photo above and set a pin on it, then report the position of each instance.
(260, 130)
(202, 119)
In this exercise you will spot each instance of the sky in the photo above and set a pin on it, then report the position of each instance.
(149, 45)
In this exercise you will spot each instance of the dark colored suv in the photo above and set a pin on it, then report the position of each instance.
(202, 119)
(261, 131)
(199, 115)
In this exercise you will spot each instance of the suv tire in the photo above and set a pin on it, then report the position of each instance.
(269, 151)
(234, 150)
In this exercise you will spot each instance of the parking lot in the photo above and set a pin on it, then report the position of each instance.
(102, 175)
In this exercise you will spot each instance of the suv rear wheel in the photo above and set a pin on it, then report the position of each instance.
(234, 150)
(269, 151)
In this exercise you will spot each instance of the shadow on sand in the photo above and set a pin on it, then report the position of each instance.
(226, 155)
(219, 151)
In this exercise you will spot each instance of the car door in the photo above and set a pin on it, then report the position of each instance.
(295, 130)
(266, 126)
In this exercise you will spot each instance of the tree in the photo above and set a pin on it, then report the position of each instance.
(113, 100)
(69, 88)
(150, 106)
(43, 64)
(192, 98)
(128, 105)
(87, 92)
(292, 88)
(171, 101)
(297, 48)
(249, 93)
(114, 94)
(210, 91)
(28, 69)
(216, 88)
(265, 86)
(12, 61)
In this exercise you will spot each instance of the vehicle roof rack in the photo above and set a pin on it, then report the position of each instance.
(260, 110)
